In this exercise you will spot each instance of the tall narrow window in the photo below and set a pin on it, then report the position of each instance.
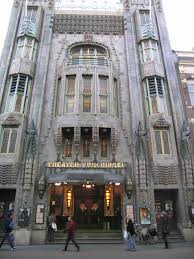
(191, 93)
(155, 95)
(149, 51)
(145, 17)
(19, 93)
(103, 81)
(70, 93)
(26, 48)
(104, 142)
(116, 97)
(86, 136)
(87, 93)
(32, 13)
(68, 141)
(162, 141)
(8, 140)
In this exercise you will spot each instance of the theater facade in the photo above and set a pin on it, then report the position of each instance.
(92, 123)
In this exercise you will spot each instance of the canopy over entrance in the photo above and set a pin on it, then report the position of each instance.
(77, 176)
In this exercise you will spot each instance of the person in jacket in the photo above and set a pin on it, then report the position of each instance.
(165, 232)
(9, 226)
(131, 235)
(70, 229)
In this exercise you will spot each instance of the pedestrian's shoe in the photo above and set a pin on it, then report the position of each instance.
(13, 248)
(78, 249)
(64, 249)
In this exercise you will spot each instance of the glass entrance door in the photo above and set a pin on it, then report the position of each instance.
(88, 206)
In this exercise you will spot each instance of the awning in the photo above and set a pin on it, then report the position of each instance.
(79, 176)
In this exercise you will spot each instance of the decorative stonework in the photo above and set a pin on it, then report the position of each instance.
(114, 141)
(77, 136)
(161, 123)
(88, 37)
(58, 141)
(158, 5)
(11, 121)
(8, 173)
(95, 140)
(98, 24)
(164, 174)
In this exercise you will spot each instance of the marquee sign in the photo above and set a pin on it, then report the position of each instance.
(114, 165)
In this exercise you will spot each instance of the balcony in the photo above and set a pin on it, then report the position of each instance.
(96, 61)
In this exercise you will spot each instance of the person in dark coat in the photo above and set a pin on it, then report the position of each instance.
(9, 226)
(165, 232)
(71, 228)
(131, 236)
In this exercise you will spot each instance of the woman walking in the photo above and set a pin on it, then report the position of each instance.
(131, 236)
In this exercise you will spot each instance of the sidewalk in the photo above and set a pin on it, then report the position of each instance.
(177, 251)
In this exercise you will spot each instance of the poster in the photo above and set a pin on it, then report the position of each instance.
(145, 217)
(24, 217)
(39, 214)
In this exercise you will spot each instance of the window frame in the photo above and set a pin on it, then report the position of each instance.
(13, 95)
(87, 94)
(160, 99)
(162, 141)
(191, 93)
(10, 134)
(24, 47)
(103, 94)
(151, 50)
(69, 95)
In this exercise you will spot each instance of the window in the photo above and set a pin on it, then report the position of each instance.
(104, 142)
(103, 81)
(162, 141)
(85, 54)
(154, 92)
(115, 97)
(26, 48)
(19, 94)
(191, 93)
(86, 136)
(87, 93)
(8, 140)
(70, 93)
(68, 134)
(145, 17)
(149, 51)
(32, 13)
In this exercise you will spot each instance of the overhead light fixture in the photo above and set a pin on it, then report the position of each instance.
(57, 184)
(117, 184)
(88, 185)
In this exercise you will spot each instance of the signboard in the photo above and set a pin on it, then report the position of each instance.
(118, 165)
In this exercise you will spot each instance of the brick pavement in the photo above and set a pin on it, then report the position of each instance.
(176, 251)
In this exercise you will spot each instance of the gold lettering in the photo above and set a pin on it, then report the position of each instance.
(49, 164)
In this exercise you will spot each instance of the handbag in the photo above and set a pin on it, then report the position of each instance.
(54, 226)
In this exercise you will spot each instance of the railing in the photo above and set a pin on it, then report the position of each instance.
(99, 61)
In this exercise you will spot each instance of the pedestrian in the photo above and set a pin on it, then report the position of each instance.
(165, 232)
(131, 235)
(9, 226)
(71, 228)
(52, 228)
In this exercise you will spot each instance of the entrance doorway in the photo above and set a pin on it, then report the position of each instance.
(89, 206)
(165, 200)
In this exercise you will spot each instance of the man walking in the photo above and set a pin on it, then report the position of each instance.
(71, 228)
(165, 228)
(9, 226)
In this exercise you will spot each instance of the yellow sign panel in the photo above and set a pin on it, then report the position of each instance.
(86, 165)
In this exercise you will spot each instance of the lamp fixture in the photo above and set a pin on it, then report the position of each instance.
(57, 184)
(107, 195)
(69, 198)
(88, 185)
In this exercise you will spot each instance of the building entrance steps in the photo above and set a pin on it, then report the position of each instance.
(91, 237)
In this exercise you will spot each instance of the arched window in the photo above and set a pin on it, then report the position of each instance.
(88, 54)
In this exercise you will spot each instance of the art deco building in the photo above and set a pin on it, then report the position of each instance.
(92, 123)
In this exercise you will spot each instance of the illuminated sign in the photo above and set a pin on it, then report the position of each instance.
(86, 165)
